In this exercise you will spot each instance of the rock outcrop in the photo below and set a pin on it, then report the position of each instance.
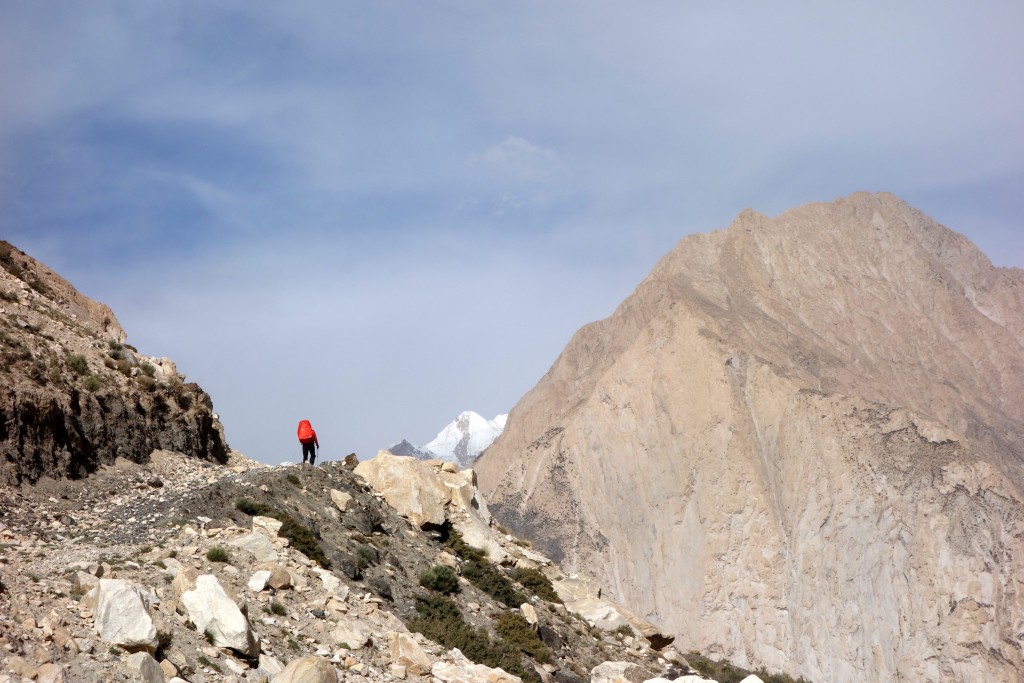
(798, 444)
(73, 395)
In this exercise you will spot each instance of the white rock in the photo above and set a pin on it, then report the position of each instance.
(268, 525)
(257, 544)
(143, 666)
(353, 633)
(458, 669)
(211, 609)
(752, 679)
(529, 613)
(332, 584)
(122, 616)
(258, 580)
(408, 653)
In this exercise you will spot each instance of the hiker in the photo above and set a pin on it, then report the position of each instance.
(307, 437)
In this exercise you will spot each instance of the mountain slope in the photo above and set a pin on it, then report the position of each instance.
(73, 396)
(799, 443)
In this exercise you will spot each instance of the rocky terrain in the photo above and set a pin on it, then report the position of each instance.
(799, 444)
(73, 395)
(184, 570)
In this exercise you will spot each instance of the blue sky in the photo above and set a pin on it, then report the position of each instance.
(379, 214)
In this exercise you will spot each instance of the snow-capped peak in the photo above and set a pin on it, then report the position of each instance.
(466, 437)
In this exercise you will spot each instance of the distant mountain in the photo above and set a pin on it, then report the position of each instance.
(461, 441)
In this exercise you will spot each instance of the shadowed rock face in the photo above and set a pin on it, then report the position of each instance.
(799, 444)
(72, 396)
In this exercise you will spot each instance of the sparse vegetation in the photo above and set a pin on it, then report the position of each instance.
(292, 479)
(515, 629)
(277, 608)
(537, 583)
(300, 537)
(724, 672)
(440, 578)
(210, 637)
(78, 364)
(440, 620)
(93, 383)
(147, 382)
(217, 554)
(483, 574)
(8, 295)
(148, 369)
(366, 555)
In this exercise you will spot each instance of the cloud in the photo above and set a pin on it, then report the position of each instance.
(521, 161)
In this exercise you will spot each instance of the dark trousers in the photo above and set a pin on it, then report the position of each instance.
(309, 449)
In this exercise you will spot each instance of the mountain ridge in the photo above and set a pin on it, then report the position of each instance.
(858, 333)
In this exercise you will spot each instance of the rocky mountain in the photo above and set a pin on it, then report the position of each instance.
(74, 396)
(461, 441)
(184, 570)
(798, 444)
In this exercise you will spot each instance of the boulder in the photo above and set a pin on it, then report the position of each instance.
(258, 580)
(144, 668)
(529, 613)
(268, 526)
(308, 670)
(352, 633)
(408, 653)
(279, 578)
(618, 672)
(409, 486)
(211, 609)
(122, 615)
(51, 673)
(341, 499)
(258, 545)
(458, 669)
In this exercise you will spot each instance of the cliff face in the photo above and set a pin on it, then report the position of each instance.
(73, 396)
(799, 444)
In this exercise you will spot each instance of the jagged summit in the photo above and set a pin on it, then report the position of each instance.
(810, 425)
(461, 441)
(73, 395)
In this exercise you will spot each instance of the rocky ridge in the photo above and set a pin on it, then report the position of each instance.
(798, 444)
(179, 569)
(73, 395)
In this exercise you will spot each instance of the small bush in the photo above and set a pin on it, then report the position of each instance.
(217, 554)
(537, 583)
(147, 382)
(515, 629)
(208, 634)
(148, 369)
(366, 555)
(93, 383)
(292, 479)
(78, 364)
(7, 295)
(441, 579)
(439, 619)
(277, 608)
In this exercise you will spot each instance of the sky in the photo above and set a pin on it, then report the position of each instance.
(376, 215)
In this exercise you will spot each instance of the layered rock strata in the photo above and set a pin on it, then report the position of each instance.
(798, 444)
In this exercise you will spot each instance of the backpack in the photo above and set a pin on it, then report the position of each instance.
(305, 431)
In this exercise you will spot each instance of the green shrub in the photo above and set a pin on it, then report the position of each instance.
(292, 479)
(277, 608)
(208, 634)
(300, 537)
(78, 364)
(440, 578)
(515, 629)
(366, 555)
(482, 573)
(724, 672)
(147, 369)
(439, 619)
(217, 554)
(537, 583)
(93, 383)
(7, 295)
